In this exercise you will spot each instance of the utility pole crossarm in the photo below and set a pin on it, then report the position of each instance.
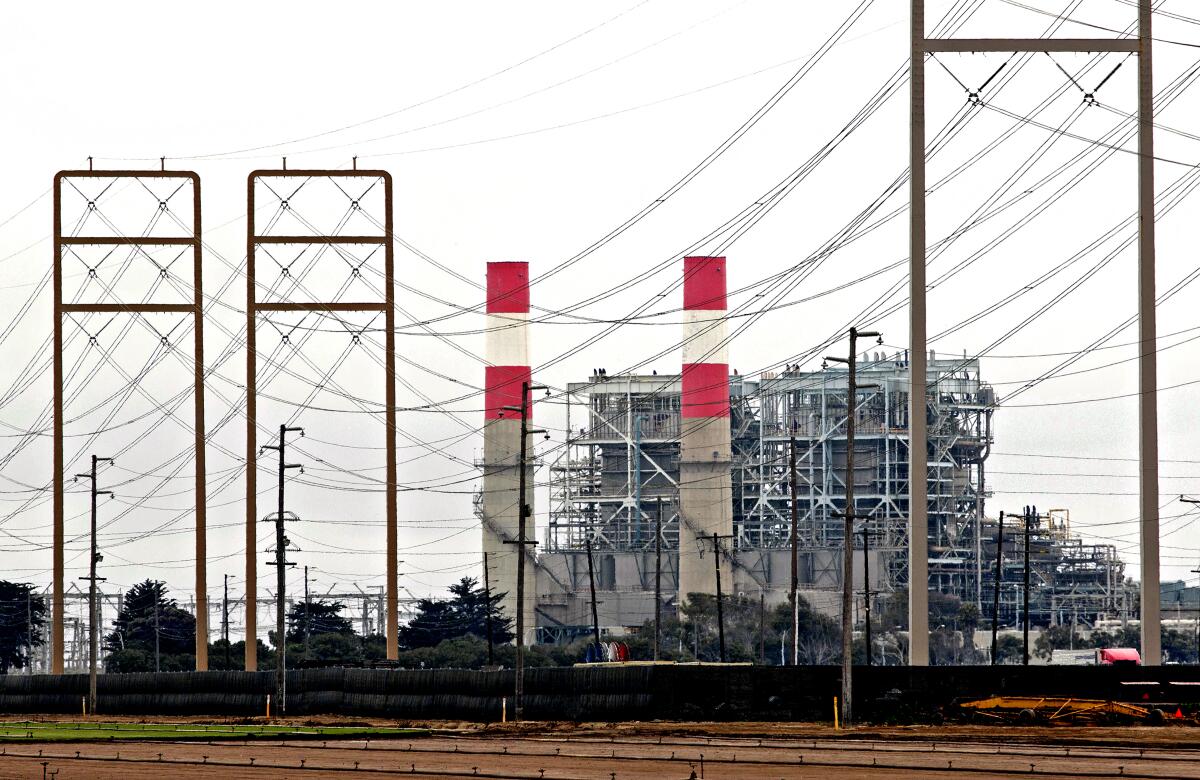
(1051, 45)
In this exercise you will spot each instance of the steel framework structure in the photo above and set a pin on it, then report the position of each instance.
(136, 245)
(811, 408)
(1071, 581)
(918, 601)
(254, 242)
(626, 456)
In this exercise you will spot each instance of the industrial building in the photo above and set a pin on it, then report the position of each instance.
(621, 469)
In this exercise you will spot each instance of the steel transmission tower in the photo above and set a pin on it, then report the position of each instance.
(80, 196)
(288, 229)
(918, 600)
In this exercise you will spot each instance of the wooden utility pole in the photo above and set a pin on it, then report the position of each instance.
(29, 629)
(762, 627)
(521, 542)
(225, 623)
(1030, 517)
(998, 578)
(795, 592)
(487, 593)
(866, 537)
(281, 563)
(157, 656)
(716, 543)
(657, 578)
(307, 622)
(852, 388)
(592, 587)
(93, 611)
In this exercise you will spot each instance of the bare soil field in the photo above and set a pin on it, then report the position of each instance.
(632, 751)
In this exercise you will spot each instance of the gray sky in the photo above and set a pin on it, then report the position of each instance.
(529, 131)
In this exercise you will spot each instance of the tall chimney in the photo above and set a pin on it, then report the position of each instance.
(705, 489)
(507, 352)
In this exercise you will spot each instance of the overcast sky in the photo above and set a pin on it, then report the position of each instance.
(528, 131)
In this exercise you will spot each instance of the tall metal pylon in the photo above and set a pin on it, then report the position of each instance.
(115, 239)
(276, 235)
(918, 551)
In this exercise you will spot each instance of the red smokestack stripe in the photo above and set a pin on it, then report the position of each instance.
(503, 388)
(704, 283)
(508, 288)
(705, 390)
(507, 338)
(704, 385)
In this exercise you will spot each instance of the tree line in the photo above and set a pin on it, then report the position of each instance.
(152, 632)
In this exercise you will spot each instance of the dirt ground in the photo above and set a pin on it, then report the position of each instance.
(632, 751)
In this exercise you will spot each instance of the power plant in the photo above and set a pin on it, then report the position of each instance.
(715, 463)
(862, 487)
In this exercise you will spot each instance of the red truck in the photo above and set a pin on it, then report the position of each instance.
(1118, 656)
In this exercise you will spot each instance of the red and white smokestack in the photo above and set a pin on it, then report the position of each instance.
(507, 354)
(705, 487)
(507, 346)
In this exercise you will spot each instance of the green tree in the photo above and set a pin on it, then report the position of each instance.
(470, 652)
(1179, 646)
(1009, 650)
(237, 656)
(22, 617)
(464, 613)
(1122, 637)
(473, 605)
(329, 649)
(968, 622)
(435, 621)
(147, 615)
(700, 627)
(693, 633)
(945, 610)
(319, 617)
(1057, 638)
(820, 636)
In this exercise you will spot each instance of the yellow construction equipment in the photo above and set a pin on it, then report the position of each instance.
(1032, 709)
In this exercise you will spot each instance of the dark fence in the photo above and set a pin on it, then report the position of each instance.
(882, 694)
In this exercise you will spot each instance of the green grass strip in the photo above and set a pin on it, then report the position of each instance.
(31, 731)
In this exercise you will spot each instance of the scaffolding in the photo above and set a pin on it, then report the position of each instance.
(622, 457)
(626, 456)
(1071, 582)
